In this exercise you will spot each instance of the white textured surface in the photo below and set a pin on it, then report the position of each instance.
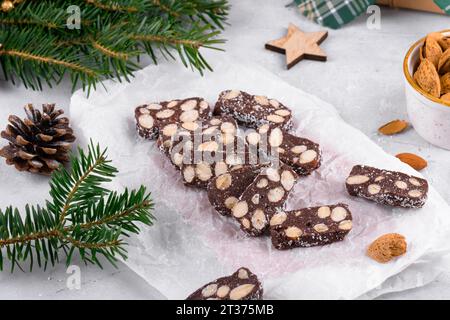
(363, 79)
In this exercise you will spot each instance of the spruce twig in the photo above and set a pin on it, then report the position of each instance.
(82, 215)
(38, 46)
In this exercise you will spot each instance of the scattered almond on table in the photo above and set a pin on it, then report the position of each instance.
(393, 127)
(387, 247)
(413, 160)
(433, 73)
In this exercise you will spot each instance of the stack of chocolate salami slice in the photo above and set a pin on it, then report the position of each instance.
(249, 175)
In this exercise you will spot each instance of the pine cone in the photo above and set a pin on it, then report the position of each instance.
(40, 143)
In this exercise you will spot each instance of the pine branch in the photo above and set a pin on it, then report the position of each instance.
(115, 6)
(186, 42)
(211, 13)
(38, 47)
(165, 8)
(42, 14)
(82, 216)
(109, 52)
(29, 22)
(47, 60)
(33, 57)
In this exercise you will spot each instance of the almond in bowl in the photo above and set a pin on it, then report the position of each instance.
(433, 72)
(427, 85)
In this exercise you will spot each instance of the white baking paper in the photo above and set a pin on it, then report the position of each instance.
(190, 244)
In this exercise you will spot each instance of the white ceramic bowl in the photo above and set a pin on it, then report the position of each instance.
(429, 115)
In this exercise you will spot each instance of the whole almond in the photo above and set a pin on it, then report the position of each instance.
(433, 51)
(444, 43)
(446, 97)
(387, 247)
(435, 36)
(445, 83)
(427, 78)
(413, 160)
(393, 127)
(444, 62)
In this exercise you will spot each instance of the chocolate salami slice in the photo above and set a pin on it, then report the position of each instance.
(207, 149)
(253, 111)
(303, 155)
(316, 226)
(387, 187)
(166, 134)
(205, 135)
(241, 285)
(224, 191)
(172, 133)
(150, 118)
(267, 194)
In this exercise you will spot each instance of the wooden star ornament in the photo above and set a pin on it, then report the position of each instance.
(298, 45)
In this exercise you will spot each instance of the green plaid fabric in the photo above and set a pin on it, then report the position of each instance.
(335, 13)
(444, 5)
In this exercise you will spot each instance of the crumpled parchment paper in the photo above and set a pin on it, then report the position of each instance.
(190, 244)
